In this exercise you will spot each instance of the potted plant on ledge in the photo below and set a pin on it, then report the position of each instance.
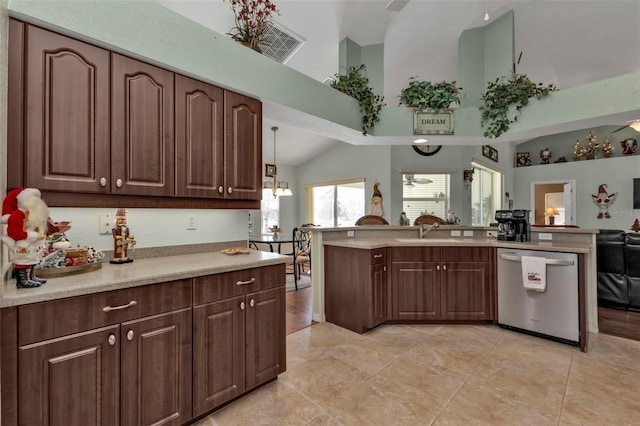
(356, 84)
(252, 17)
(425, 95)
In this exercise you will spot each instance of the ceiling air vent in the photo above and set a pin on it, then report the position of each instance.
(280, 43)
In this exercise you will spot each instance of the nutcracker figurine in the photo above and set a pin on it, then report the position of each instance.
(123, 241)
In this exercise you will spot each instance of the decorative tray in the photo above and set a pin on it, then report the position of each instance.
(68, 270)
(236, 250)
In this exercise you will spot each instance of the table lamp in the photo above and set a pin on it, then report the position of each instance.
(551, 212)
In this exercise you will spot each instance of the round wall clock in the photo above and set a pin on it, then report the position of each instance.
(427, 149)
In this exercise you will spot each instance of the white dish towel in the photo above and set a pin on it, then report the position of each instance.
(534, 273)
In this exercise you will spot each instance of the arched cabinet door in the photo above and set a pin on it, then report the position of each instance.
(142, 150)
(67, 114)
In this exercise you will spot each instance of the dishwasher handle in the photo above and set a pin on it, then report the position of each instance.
(515, 258)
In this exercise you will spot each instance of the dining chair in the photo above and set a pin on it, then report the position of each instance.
(371, 220)
(301, 253)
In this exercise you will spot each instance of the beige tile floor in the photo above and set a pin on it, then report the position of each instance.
(444, 375)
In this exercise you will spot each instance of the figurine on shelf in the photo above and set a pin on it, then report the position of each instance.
(545, 156)
(26, 215)
(629, 146)
(123, 241)
(607, 148)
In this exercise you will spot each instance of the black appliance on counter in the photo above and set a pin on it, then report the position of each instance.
(513, 225)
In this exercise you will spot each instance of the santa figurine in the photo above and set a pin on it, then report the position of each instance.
(25, 215)
(123, 241)
(376, 201)
(603, 200)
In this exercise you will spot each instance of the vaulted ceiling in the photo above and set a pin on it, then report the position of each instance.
(565, 42)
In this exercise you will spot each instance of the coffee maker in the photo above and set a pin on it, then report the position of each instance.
(513, 225)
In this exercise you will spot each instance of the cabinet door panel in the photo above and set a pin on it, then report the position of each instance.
(219, 353)
(378, 313)
(71, 380)
(466, 291)
(67, 113)
(156, 370)
(142, 149)
(416, 291)
(199, 139)
(243, 147)
(265, 337)
(15, 110)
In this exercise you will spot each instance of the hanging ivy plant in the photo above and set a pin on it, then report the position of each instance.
(501, 94)
(426, 95)
(356, 84)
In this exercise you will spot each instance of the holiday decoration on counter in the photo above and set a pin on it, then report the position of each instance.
(376, 201)
(123, 241)
(636, 226)
(26, 215)
(629, 146)
(607, 148)
(603, 200)
(404, 220)
(545, 156)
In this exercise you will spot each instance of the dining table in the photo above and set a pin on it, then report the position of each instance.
(275, 244)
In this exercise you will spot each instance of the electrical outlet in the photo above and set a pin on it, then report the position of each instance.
(192, 223)
(492, 234)
(545, 236)
(105, 223)
(468, 233)
(455, 233)
(351, 233)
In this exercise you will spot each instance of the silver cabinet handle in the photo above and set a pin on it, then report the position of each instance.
(229, 190)
(112, 339)
(130, 335)
(242, 306)
(377, 256)
(115, 308)
(220, 189)
(103, 181)
(444, 267)
(119, 183)
(252, 303)
(252, 280)
(437, 267)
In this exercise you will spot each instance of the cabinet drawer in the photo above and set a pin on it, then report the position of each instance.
(377, 256)
(216, 287)
(46, 320)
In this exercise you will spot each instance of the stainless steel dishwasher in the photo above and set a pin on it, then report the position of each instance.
(553, 313)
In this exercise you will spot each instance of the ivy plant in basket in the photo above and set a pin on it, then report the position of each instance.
(427, 95)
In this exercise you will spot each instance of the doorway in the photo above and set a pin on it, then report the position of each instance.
(546, 194)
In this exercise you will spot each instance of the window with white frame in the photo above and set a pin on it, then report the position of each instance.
(486, 194)
(425, 193)
(269, 210)
(334, 204)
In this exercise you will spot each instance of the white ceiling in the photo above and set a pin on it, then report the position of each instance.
(565, 42)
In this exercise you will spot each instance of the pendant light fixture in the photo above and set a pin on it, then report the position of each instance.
(278, 190)
(486, 10)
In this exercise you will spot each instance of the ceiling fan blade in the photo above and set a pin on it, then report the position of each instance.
(621, 128)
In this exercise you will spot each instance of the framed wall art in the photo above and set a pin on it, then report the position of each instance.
(270, 170)
(490, 152)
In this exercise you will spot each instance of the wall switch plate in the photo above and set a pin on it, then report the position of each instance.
(192, 223)
(545, 236)
(105, 223)
(455, 233)
(351, 233)
(492, 234)
(468, 233)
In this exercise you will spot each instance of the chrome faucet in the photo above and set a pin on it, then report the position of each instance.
(425, 228)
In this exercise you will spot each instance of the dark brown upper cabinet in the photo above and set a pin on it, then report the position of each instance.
(199, 139)
(242, 147)
(142, 156)
(66, 114)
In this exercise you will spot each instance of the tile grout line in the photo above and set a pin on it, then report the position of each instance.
(566, 385)
(467, 379)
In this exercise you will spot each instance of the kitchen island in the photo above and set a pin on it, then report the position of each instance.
(160, 340)
(442, 243)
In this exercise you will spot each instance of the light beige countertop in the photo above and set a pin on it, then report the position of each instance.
(373, 243)
(138, 273)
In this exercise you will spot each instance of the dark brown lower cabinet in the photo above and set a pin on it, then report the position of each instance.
(416, 290)
(238, 342)
(466, 291)
(356, 287)
(71, 381)
(155, 371)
